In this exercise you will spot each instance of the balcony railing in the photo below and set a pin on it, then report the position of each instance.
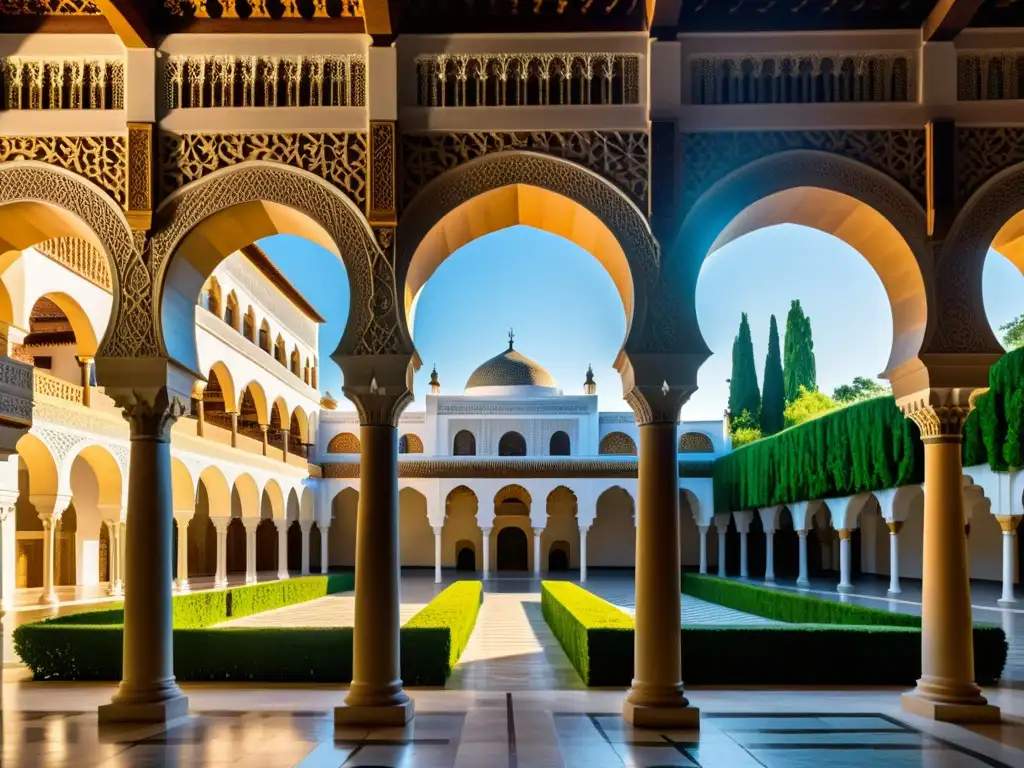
(48, 385)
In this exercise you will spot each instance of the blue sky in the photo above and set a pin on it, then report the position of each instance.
(567, 314)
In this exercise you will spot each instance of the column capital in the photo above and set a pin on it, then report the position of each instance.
(221, 522)
(940, 412)
(801, 533)
(438, 529)
(50, 506)
(306, 525)
(895, 526)
(1008, 523)
(251, 523)
(153, 392)
(380, 386)
(656, 387)
(184, 514)
(844, 534)
(282, 523)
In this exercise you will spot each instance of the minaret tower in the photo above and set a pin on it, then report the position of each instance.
(435, 385)
(590, 386)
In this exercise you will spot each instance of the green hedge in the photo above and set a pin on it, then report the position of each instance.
(440, 630)
(598, 639)
(789, 607)
(66, 649)
(866, 446)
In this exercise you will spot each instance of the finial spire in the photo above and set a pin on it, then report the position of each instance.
(511, 338)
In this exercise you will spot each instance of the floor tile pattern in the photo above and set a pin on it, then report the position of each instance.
(496, 734)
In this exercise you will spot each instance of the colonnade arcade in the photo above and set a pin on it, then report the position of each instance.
(148, 362)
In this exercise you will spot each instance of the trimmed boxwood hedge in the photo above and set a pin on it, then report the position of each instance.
(69, 649)
(598, 639)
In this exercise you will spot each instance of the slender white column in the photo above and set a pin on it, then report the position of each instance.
(182, 518)
(220, 579)
(305, 526)
(744, 573)
(583, 552)
(282, 549)
(487, 550)
(323, 546)
(721, 553)
(7, 509)
(50, 508)
(894, 558)
(437, 554)
(769, 557)
(703, 548)
(801, 579)
(845, 585)
(536, 550)
(1009, 526)
(116, 586)
(251, 524)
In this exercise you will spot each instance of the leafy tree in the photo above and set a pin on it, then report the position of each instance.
(773, 398)
(744, 394)
(808, 405)
(799, 369)
(861, 388)
(1013, 333)
(744, 430)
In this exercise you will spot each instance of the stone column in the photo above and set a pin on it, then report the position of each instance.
(198, 391)
(742, 520)
(116, 586)
(50, 508)
(894, 558)
(946, 689)
(744, 571)
(305, 526)
(263, 436)
(251, 524)
(284, 445)
(86, 365)
(801, 579)
(220, 579)
(324, 529)
(583, 552)
(722, 526)
(845, 585)
(376, 696)
(182, 519)
(656, 698)
(437, 554)
(234, 430)
(282, 549)
(703, 529)
(769, 557)
(487, 550)
(537, 532)
(1009, 526)
(148, 691)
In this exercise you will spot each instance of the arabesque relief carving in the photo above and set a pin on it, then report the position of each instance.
(621, 158)
(79, 83)
(264, 9)
(100, 159)
(708, 157)
(80, 257)
(982, 153)
(48, 8)
(338, 158)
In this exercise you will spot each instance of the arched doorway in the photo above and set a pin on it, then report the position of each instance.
(512, 444)
(465, 556)
(558, 556)
(513, 549)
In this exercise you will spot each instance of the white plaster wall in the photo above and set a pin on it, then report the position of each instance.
(612, 538)
(561, 525)
(415, 535)
(85, 495)
(460, 524)
(341, 536)
(64, 361)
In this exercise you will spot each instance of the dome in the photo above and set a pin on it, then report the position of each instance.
(509, 373)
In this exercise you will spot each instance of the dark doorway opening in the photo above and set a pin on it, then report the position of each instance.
(513, 549)
(558, 556)
(465, 558)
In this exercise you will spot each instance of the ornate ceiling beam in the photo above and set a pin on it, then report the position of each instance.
(131, 22)
(382, 18)
(948, 19)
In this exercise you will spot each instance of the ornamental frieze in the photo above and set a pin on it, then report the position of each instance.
(100, 159)
(618, 467)
(982, 153)
(623, 158)
(507, 409)
(708, 157)
(64, 83)
(339, 158)
(263, 9)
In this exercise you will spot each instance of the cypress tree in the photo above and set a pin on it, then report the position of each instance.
(799, 368)
(743, 391)
(773, 399)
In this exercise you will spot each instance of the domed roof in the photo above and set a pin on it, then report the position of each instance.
(510, 369)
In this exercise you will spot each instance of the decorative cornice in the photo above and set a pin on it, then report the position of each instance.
(511, 409)
(617, 467)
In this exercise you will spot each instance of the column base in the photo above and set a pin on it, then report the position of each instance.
(250, 579)
(392, 715)
(668, 718)
(150, 712)
(844, 589)
(283, 576)
(950, 713)
(49, 599)
(803, 584)
(893, 593)
(182, 587)
(1007, 601)
(769, 582)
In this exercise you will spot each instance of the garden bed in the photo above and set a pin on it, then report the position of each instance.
(88, 646)
(598, 639)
